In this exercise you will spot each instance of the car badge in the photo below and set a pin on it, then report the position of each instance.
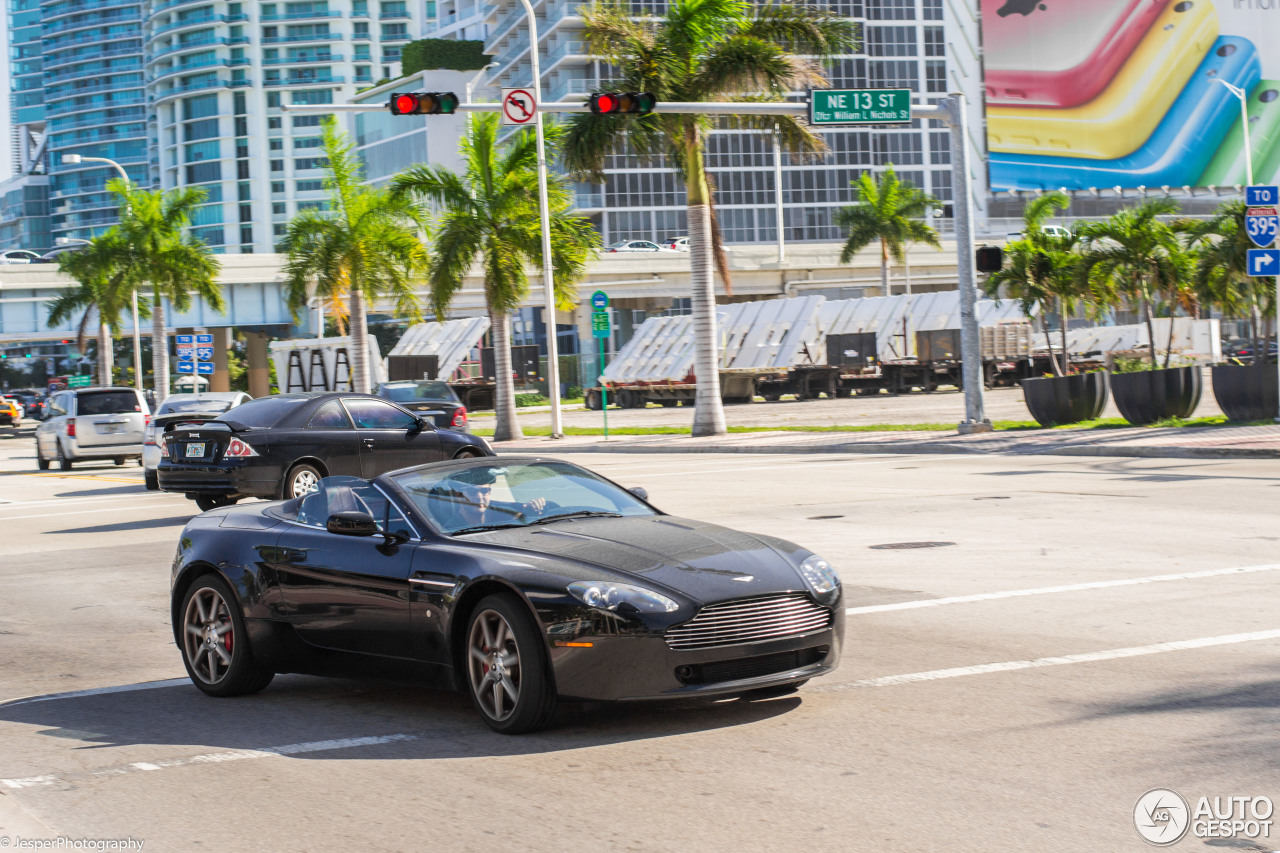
(193, 435)
(745, 578)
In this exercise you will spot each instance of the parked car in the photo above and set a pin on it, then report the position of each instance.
(10, 411)
(1051, 230)
(85, 424)
(33, 402)
(635, 246)
(1241, 349)
(431, 398)
(281, 446)
(19, 256)
(178, 407)
(51, 256)
(522, 582)
(679, 244)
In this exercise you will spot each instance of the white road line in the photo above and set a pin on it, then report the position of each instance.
(1063, 660)
(217, 758)
(70, 515)
(64, 501)
(842, 463)
(1051, 590)
(96, 691)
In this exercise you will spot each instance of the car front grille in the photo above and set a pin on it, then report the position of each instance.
(751, 620)
(743, 668)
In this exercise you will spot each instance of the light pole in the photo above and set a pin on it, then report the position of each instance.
(73, 159)
(544, 210)
(1244, 125)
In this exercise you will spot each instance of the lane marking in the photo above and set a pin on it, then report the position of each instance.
(1060, 660)
(64, 501)
(60, 476)
(88, 511)
(213, 758)
(1051, 590)
(735, 470)
(95, 691)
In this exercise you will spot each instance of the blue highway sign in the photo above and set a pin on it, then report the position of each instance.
(1262, 225)
(204, 353)
(1263, 262)
(204, 339)
(184, 339)
(1257, 196)
(204, 367)
(185, 366)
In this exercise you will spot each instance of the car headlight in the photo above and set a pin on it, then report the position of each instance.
(609, 596)
(819, 575)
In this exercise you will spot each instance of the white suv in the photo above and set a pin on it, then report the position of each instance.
(86, 424)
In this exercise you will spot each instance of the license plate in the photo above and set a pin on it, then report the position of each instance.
(109, 428)
(196, 449)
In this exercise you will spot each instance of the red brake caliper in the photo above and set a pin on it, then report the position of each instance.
(228, 640)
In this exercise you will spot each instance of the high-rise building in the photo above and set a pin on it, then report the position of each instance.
(218, 75)
(902, 45)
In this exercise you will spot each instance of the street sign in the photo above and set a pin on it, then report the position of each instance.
(1264, 262)
(1256, 196)
(204, 339)
(81, 381)
(518, 106)
(184, 339)
(186, 366)
(599, 300)
(186, 351)
(204, 367)
(859, 106)
(600, 324)
(1262, 225)
(204, 353)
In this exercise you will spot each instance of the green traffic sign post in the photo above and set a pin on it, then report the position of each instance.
(859, 106)
(600, 330)
(79, 381)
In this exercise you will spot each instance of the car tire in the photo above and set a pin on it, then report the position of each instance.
(41, 462)
(501, 637)
(467, 453)
(119, 461)
(152, 480)
(215, 643)
(301, 480)
(63, 462)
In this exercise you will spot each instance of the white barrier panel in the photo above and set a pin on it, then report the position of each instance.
(321, 364)
(451, 341)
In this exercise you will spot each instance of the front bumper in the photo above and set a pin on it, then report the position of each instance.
(259, 481)
(628, 668)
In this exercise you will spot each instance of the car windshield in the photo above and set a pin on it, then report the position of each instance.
(107, 403)
(619, 244)
(427, 389)
(193, 405)
(486, 497)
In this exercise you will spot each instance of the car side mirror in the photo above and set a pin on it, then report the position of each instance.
(639, 491)
(423, 423)
(352, 523)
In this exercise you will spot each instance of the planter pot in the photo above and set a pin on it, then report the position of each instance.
(1055, 400)
(1246, 393)
(1153, 395)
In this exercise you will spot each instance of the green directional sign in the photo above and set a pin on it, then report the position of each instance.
(600, 324)
(859, 106)
(79, 381)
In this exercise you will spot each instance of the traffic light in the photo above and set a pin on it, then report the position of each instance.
(990, 259)
(622, 103)
(423, 103)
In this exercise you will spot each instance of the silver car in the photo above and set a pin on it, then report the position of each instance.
(86, 424)
(176, 407)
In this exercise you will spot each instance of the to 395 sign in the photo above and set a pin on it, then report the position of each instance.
(859, 106)
(1262, 224)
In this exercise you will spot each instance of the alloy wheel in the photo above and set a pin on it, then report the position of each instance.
(208, 635)
(304, 482)
(493, 662)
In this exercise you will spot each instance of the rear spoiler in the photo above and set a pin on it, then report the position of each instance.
(172, 422)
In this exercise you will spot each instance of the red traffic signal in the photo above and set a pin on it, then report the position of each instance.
(622, 103)
(423, 103)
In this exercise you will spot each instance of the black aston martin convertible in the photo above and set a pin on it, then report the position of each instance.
(524, 582)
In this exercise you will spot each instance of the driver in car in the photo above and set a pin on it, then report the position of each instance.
(471, 495)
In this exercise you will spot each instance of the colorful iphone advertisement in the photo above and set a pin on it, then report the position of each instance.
(1130, 93)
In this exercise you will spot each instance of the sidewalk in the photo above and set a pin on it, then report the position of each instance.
(1245, 442)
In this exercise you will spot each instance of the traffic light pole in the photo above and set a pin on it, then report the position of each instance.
(951, 110)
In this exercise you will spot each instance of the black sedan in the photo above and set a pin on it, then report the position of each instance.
(522, 584)
(281, 446)
(428, 398)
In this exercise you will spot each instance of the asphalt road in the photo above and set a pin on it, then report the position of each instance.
(964, 717)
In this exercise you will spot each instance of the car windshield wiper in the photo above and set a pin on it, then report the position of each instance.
(479, 528)
(586, 513)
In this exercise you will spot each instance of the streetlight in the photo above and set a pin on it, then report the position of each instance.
(1244, 125)
(544, 209)
(75, 159)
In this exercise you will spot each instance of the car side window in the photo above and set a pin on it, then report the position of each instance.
(329, 416)
(347, 494)
(58, 405)
(374, 414)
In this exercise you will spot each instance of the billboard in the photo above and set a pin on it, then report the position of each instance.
(1130, 93)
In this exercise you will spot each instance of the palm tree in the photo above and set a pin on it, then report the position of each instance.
(1222, 274)
(155, 252)
(703, 50)
(888, 210)
(365, 245)
(1135, 255)
(489, 213)
(1041, 271)
(103, 289)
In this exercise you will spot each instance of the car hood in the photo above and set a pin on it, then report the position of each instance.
(703, 561)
